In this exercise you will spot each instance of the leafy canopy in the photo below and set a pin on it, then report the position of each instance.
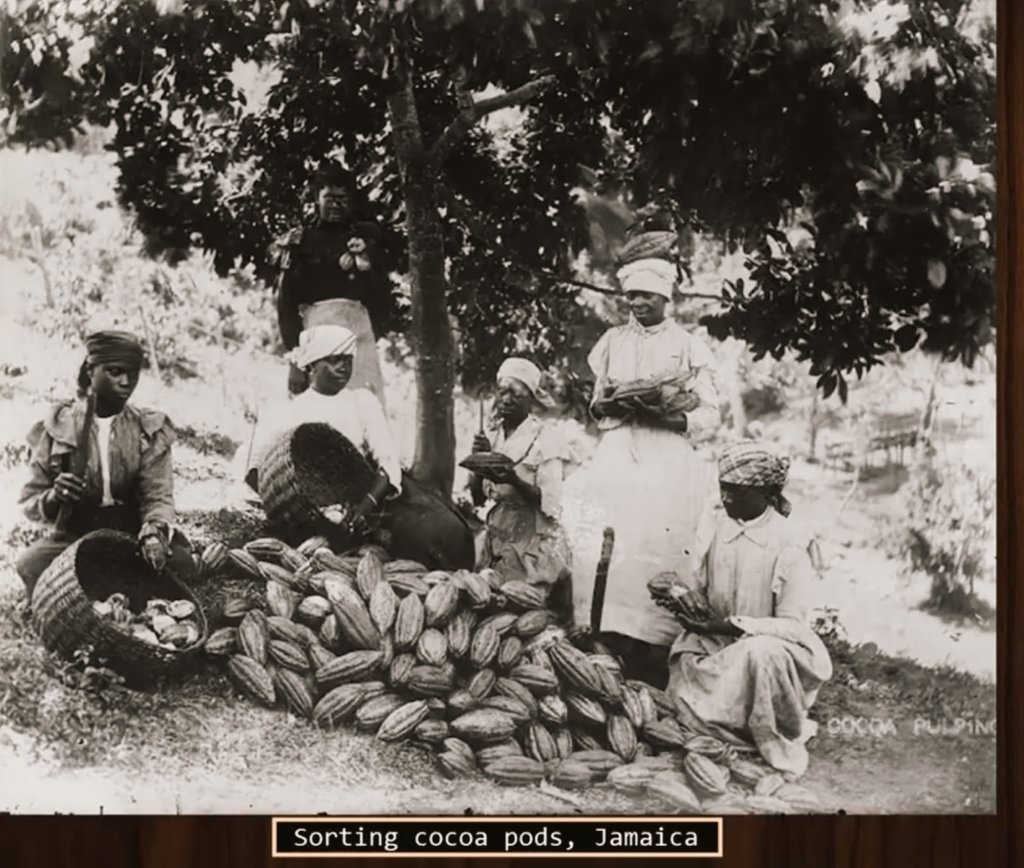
(843, 146)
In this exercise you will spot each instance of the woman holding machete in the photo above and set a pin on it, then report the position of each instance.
(101, 462)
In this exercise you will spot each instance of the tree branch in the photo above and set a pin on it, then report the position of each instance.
(472, 111)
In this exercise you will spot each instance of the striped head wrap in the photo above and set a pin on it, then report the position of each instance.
(113, 347)
(751, 463)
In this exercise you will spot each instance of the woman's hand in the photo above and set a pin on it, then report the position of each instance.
(481, 443)
(68, 488)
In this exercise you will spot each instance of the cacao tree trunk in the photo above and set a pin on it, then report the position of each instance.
(430, 334)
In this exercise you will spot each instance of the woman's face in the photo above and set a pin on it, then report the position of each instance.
(330, 375)
(513, 401)
(333, 204)
(113, 384)
(744, 502)
(647, 307)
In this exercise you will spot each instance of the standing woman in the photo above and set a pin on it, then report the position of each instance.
(128, 482)
(523, 539)
(646, 480)
(332, 273)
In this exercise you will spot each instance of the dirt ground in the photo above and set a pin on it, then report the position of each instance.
(905, 725)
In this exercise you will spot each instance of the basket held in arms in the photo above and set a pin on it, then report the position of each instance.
(306, 469)
(92, 568)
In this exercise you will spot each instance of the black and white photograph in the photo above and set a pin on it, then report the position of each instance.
(498, 407)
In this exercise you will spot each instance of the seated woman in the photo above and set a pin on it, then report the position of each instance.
(522, 539)
(128, 478)
(747, 666)
(326, 354)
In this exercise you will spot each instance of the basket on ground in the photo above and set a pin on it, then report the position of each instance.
(92, 568)
(306, 469)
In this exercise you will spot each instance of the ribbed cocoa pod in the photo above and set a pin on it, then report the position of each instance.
(553, 710)
(369, 573)
(621, 736)
(563, 741)
(531, 623)
(252, 679)
(441, 603)
(330, 634)
(632, 778)
(600, 762)
(409, 623)
(339, 705)
(461, 701)
(313, 610)
(570, 774)
(354, 620)
(236, 608)
(610, 689)
(459, 632)
(350, 667)
(292, 688)
(633, 708)
(712, 748)
(474, 588)
(318, 656)
(583, 740)
(245, 562)
(647, 705)
(662, 701)
(283, 576)
(497, 750)
(327, 560)
(483, 649)
(536, 679)
(484, 724)
(492, 577)
(282, 601)
(669, 761)
(214, 558)
(705, 775)
(288, 655)
(515, 771)
(383, 606)
(429, 681)
(521, 597)
(401, 669)
(672, 787)
(574, 669)
(309, 547)
(747, 773)
(403, 565)
(432, 731)
(264, 548)
(288, 631)
(539, 743)
(502, 623)
(432, 647)
(373, 712)
(585, 710)
(409, 584)
(222, 642)
(511, 687)
(294, 560)
(452, 764)
(403, 720)
(482, 683)
(254, 635)
(665, 733)
(457, 745)
(509, 652)
(510, 706)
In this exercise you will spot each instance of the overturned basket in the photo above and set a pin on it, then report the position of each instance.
(307, 468)
(90, 570)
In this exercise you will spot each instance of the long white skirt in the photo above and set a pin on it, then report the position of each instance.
(653, 489)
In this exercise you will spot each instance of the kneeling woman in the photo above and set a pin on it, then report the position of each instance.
(747, 666)
(326, 355)
(128, 479)
(522, 539)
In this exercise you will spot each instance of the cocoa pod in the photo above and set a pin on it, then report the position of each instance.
(508, 705)
(245, 562)
(574, 669)
(511, 687)
(440, 604)
(222, 642)
(531, 623)
(432, 648)
(515, 771)
(536, 679)
(569, 774)
(373, 712)
(252, 679)
(553, 710)
(600, 762)
(482, 683)
(313, 610)
(509, 652)
(432, 731)
(484, 647)
(585, 710)
(283, 629)
(383, 606)
(430, 681)
(253, 636)
(369, 574)
(671, 787)
(706, 777)
(354, 620)
(409, 584)
(491, 752)
(539, 743)
(455, 765)
(293, 690)
(621, 736)
(403, 720)
(339, 705)
(521, 596)
(409, 623)
(353, 666)
(484, 724)
(459, 632)
(288, 655)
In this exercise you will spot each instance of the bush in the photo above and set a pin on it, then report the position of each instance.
(947, 531)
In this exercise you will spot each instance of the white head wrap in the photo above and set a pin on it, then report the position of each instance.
(648, 275)
(321, 341)
(528, 374)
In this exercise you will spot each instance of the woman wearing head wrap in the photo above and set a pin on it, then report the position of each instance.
(654, 397)
(747, 666)
(522, 539)
(128, 478)
(325, 354)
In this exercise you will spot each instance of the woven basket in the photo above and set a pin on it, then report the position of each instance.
(90, 570)
(309, 467)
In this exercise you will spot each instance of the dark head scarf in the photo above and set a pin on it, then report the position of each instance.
(113, 348)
